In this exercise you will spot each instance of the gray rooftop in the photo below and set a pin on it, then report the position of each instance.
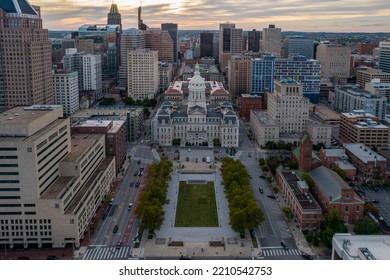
(335, 153)
(18, 7)
(328, 181)
(364, 153)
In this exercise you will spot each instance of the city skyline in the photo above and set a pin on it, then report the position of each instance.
(297, 15)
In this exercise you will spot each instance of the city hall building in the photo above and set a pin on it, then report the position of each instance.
(195, 122)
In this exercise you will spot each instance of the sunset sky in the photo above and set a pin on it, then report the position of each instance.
(290, 15)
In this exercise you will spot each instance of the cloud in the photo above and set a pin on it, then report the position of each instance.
(299, 15)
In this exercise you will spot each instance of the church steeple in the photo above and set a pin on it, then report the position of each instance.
(114, 17)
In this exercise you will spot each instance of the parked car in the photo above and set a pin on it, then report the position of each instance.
(182, 257)
(284, 245)
(105, 215)
(115, 230)
(135, 173)
(261, 190)
(271, 196)
(306, 256)
(263, 177)
(130, 206)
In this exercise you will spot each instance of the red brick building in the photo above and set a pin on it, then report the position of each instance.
(115, 137)
(332, 192)
(247, 102)
(366, 48)
(303, 155)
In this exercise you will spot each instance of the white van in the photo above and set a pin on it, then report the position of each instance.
(130, 206)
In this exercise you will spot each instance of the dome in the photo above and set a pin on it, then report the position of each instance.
(197, 81)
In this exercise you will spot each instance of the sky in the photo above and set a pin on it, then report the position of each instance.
(290, 15)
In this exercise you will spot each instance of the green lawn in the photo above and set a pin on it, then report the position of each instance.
(196, 206)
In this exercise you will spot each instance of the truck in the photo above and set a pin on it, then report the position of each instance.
(208, 159)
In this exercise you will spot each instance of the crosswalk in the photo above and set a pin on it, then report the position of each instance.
(280, 252)
(107, 253)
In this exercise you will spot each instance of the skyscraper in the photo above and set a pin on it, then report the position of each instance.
(384, 56)
(272, 40)
(141, 24)
(114, 17)
(131, 39)
(335, 62)
(25, 56)
(142, 74)
(160, 40)
(299, 45)
(254, 40)
(206, 44)
(230, 42)
(172, 30)
(66, 90)
(262, 75)
(239, 75)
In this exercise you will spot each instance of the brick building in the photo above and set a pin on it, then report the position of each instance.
(304, 156)
(247, 102)
(332, 192)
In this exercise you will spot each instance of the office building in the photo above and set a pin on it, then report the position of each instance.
(230, 42)
(361, 127)
(366, 75)
(206, 44)
(318, 130)
(384, 56)
(142, 74)
(348, 99)
(333, 193)
(305, 71)
(298, 45)
(172, 30)
(366, 48)
(377, 87)
(288, 107)
(335, 62)
(160, 40)
(52, 184)
(25, 56)
(66, 90)
(196, 124)
(131, 39)
(254, 41)
(239, 75)
(272, 40)
(370, 165)
(262, 72)
(246, 103)
(114, 17)
(103, 40)
(114, 132)
(165, 70)
(264, 128)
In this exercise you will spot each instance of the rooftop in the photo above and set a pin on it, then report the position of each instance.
(335, 153)
(263, 117)
(364, 153)
(81, 143)
(18, 7)
(345, 165)
(329, 182)
(356, 246)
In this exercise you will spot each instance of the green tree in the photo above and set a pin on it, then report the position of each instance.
(153, 216)
(287, 212)
(365, 225)
(146, 113)
(309, 181)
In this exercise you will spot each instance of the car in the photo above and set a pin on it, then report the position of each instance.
(139, 161)
(130, 206)
(111, 202)
(182, 257)
(135, 173)
(284, 245)
(374, 200)
(249, 155)
(115, 230)
(261, 190)
(271, 196)
(189, 149)
(141, 169)
(52, 258)
(306, 256)
(380, 218)
(187, 159)
(105, 215)
(263, 177)
(118, 244)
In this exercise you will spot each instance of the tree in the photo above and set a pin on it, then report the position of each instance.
(333, 224)
(107, 101)
(146, 113)
(365, 225)
(309, 181)
(216, 142)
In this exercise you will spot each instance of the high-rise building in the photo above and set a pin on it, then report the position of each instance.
(305, 71)
(335, 62)
(239, 75)
(262, 75)
(384, 56)
(160, 40)
(52, 183)
(89, 68)
(288, 106)
(230, 42)
(131, 39)
(25, 56)
(141, 24)
(272, 43)
(299, 45)
(172, 30)
(206, 44)
(105, 41)
(254, 41)
(114, 17)
(366, 75)
(348, 99)
(142, 74)
(66, 90)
